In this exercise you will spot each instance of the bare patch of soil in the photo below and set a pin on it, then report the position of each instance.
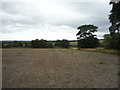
(47, 68)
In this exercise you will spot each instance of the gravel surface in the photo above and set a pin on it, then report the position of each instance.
(58, 68)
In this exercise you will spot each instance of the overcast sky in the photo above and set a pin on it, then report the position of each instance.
(51, 20)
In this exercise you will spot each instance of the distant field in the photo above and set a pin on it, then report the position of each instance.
(58, 68)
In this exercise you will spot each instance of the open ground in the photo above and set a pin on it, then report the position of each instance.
(58, 68)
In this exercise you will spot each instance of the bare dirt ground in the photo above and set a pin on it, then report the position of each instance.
(58, 68)
(0, 68)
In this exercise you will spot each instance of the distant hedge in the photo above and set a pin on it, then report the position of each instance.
(7, 44)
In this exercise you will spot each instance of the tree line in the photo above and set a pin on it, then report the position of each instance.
(36, 44)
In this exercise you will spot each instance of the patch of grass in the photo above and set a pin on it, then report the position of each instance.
(101, 50)
(102, 63)
(67, 82)
(107, 51)
(116, 64)
(64, 50)
(68, 50)
(118, 73)
(87, 50)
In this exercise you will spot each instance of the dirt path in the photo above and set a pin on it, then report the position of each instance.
(46, 68)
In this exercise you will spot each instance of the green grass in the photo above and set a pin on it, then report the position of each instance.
(67, 82)
(102, 63)
(117, 64)
(72, 50)
(107, 51)
(64, 50)
(118, 73)
(100, 50)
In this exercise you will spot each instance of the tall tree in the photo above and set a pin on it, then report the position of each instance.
(86, 37)
(114, 29)
(115, 17)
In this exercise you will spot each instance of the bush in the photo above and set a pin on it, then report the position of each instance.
(41, 44)
(65, 43)
(62, 43)
(89, 42)
(112, 42)
(58, 43)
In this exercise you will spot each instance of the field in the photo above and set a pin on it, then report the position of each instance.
(58, 68)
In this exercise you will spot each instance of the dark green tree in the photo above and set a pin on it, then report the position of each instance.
(41, 44)
(106, 41)
(86, 37)
(62, 43)
(115, 18)
(115, 26)
(35, 43)
(16, 43)
(58, 43)
(65, 43)
(111, 42)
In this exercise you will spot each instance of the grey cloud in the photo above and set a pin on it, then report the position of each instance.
(12, 7)
(77, 13)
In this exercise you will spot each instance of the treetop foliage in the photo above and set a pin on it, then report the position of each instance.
(114, 17)
(86, 31)
(90, 27)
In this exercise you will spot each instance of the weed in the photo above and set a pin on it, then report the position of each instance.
(118, 73)
(102, 63)
(67, 81)
(72, 52)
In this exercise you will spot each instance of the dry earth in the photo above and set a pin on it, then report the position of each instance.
(58, 68)
(0, 68)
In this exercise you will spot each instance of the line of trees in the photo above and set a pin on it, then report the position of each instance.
(36, 44)
(45, 44)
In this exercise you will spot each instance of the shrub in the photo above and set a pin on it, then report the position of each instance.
(89, 42)
(41, 44)
(112, 42)
(62, 43)
(65, 43)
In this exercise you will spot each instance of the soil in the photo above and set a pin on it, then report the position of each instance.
(1, 69)
(58, 68)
